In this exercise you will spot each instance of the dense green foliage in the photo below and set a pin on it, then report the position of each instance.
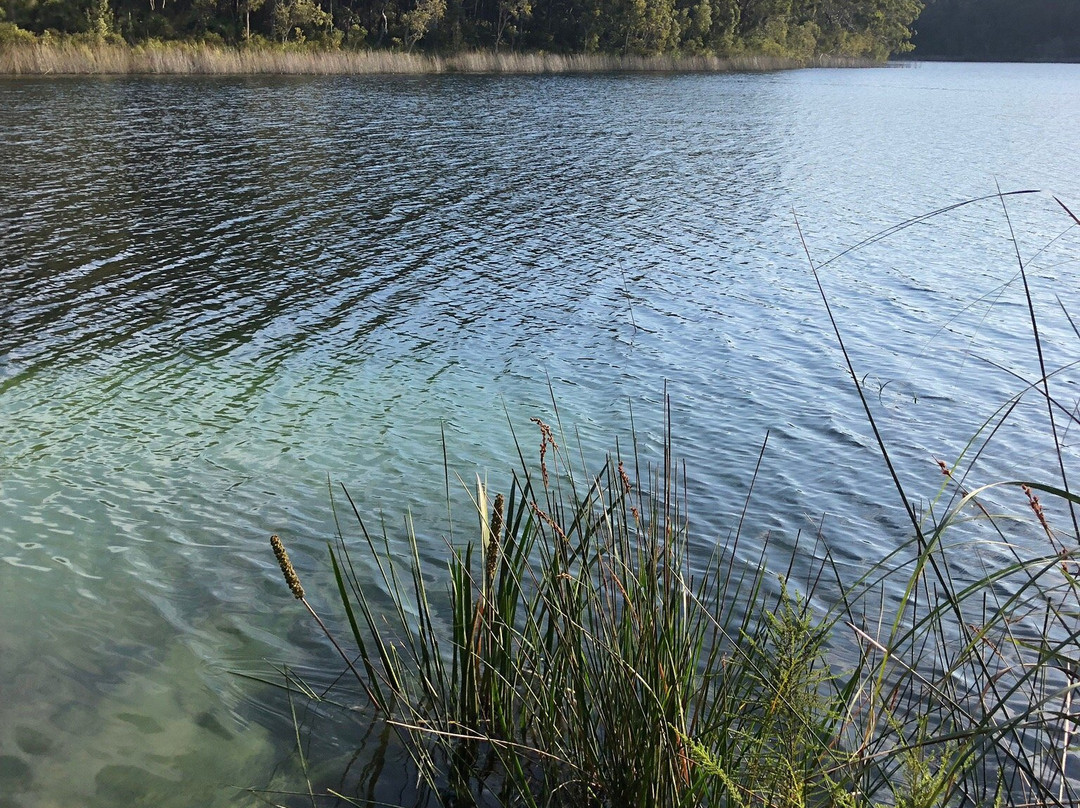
(1000, 30)
(860, 28)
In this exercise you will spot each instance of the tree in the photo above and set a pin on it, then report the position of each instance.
(299, 20)
(245, 7)
(888, 25)
(11, 34)
(101, 19)
(724, 24)
(510, 12)
(421, 19)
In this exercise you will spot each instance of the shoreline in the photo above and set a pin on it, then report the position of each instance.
(192, 59)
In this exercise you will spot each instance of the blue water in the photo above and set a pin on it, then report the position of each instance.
(219, 294)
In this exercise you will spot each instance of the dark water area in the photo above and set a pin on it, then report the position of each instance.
(217, 294)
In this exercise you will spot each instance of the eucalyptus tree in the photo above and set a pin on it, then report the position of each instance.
(510, 13)
(420, 19)
(300, 20)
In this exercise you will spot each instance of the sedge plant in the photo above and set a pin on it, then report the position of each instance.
(582, 649)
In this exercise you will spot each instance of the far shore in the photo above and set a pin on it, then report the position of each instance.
(182, 58)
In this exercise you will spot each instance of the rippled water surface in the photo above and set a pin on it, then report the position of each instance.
(216, 294)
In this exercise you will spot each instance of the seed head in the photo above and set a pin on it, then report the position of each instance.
(286, 567)
(546, 438)
(493, 545)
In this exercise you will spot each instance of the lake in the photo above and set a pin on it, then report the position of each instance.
(218, 295)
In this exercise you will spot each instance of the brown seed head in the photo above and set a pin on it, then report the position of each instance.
(546, 437)
(496, 536)
(286, 567)
(560, 534)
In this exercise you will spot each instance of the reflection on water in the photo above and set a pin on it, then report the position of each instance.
(215, 293)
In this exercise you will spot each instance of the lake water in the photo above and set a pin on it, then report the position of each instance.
(217, 294)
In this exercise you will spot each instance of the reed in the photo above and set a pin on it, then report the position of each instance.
(76, 57)
(585, 653)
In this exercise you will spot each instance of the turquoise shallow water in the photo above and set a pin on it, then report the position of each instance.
(217, 293)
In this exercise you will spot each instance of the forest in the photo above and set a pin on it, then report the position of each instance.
(870, 29)
(1000, 30)
(1003, 30)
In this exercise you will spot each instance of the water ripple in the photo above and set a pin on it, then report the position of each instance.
(217, 293)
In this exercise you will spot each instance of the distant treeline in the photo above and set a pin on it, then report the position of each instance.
(1000, 30)
(871, 29)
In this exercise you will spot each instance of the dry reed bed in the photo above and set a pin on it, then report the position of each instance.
(68, 58)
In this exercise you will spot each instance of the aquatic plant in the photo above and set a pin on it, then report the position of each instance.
(588, 652)
(75, 56)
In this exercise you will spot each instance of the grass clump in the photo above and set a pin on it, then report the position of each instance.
(584, 650)
(581, 658)
(588, 662)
